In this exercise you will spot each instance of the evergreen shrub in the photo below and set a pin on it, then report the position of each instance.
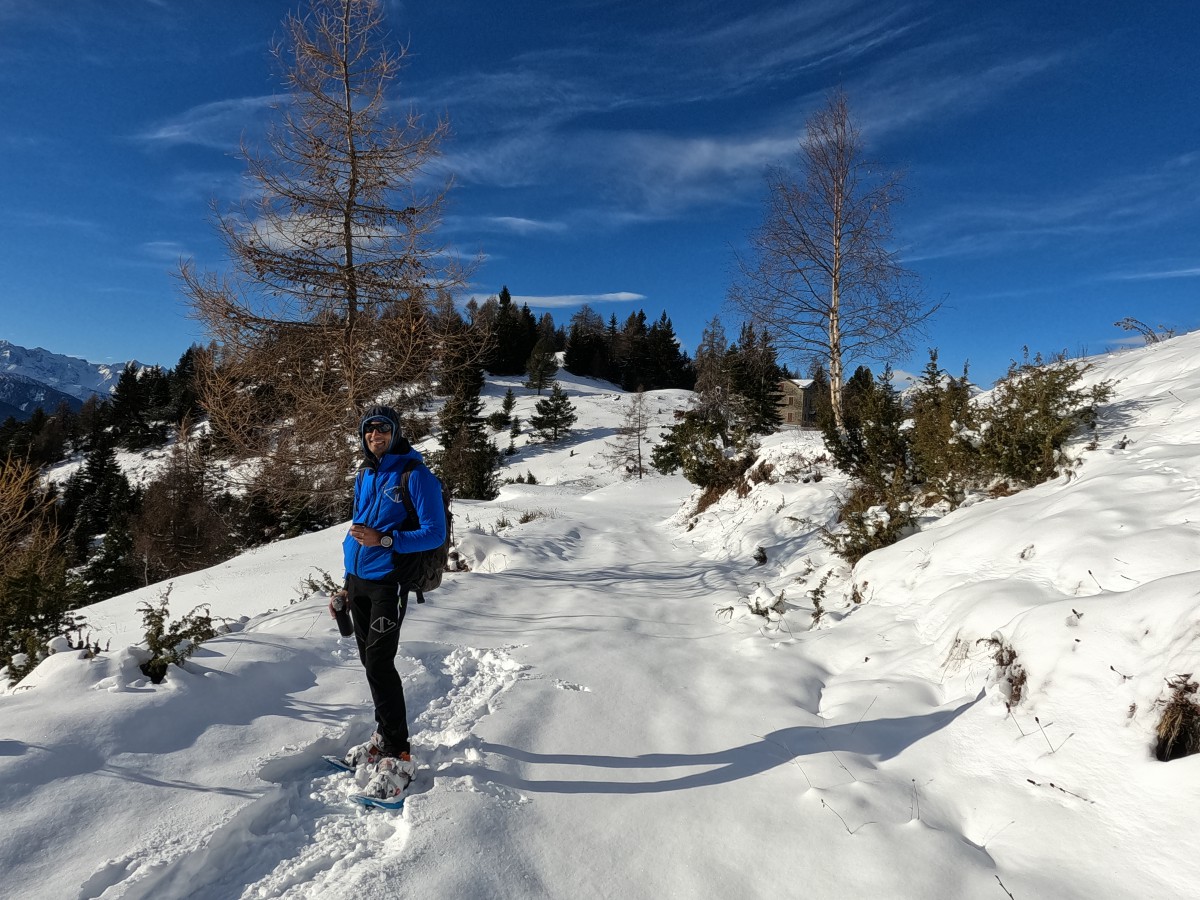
(172, 642)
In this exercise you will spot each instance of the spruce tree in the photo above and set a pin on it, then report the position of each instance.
(541, 367)
(96, 496)
(184, 522)
(587, 345)
(468, 462)
(36, 590)
(554, 415)
(754, 376)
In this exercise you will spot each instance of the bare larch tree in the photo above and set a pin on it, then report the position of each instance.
(331, 302)
(819, 275)
(629, 450)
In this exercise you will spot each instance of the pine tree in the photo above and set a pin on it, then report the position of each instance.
(184, 521)
(114, 569)
(96, 496)
(586, 352)
(129, 408)
(754, 376)
(547, 331)
(468, 462)
(541, 367)
(36, 591)
(667, 366)
(554, 415)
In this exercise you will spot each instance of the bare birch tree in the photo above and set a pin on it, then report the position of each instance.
(820, 277)
(335, 276)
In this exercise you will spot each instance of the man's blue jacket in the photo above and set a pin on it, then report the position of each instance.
(378, 502)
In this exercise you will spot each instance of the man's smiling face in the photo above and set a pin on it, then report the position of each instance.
(378, 435)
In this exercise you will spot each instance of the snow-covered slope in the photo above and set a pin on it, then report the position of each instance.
(597, 713)
(66, 374)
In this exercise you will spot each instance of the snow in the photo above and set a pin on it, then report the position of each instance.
(597, 712)
(69, 374)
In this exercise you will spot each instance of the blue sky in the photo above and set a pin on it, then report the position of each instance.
(615, 151)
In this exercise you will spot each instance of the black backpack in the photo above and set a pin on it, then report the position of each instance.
(430, 564)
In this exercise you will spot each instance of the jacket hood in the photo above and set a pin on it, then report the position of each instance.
(399, 442)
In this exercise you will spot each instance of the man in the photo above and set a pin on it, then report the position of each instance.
(381, 563)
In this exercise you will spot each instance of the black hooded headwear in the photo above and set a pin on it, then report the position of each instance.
(399, 442)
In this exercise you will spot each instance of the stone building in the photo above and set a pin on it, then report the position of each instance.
(797, 406)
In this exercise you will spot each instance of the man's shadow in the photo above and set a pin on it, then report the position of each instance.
(879, 739)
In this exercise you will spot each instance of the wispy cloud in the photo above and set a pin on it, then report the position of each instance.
(507, 224)
(559, 301)
(1137, 201)
(544, 122)
(219, 125)
(164, 251)
(42, 219)
(1162, 274)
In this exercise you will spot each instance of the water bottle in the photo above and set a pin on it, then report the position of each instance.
(342, 614)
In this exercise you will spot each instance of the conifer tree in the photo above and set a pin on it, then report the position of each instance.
(541, 367)
(629, 451)
(754, 374)
(667, 366)
(129, 410)
(468, 462)
(184, 522)
(547, 331)
(336, 269)
(114, 569)
(554, 415)
(587, 352)
(36, 591)
(96, 496)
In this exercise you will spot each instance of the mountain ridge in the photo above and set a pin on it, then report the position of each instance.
(32, 378)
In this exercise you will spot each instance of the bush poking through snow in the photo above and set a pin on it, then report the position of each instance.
(817, 595)
(1009, 675)
(313, 584)
(172, 642)
(1179, 728)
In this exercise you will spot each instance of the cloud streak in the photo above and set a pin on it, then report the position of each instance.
(218, 125)
(560, 301)
(1138, 201)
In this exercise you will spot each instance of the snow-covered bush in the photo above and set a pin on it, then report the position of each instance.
(943, 445)
(1034, 411)
(172, 642)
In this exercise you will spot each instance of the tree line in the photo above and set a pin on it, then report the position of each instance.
(338, 293)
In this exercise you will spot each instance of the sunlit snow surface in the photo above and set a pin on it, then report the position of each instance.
(598, 713)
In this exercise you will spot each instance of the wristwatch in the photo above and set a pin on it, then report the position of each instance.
(385, 541)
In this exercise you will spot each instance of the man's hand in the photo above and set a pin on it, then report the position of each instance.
(339, 595)
(365, 535)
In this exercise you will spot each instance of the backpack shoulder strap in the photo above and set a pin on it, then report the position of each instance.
(405, 495)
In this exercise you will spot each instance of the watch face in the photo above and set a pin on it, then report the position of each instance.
(386, 540)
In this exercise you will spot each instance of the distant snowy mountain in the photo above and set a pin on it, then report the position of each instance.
(32, 378)
(20, 396)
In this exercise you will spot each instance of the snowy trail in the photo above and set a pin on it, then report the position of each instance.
(588, 724)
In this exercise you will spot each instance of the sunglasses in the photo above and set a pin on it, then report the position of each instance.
(385, 427)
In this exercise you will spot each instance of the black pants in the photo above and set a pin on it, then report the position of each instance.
(378, 609)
